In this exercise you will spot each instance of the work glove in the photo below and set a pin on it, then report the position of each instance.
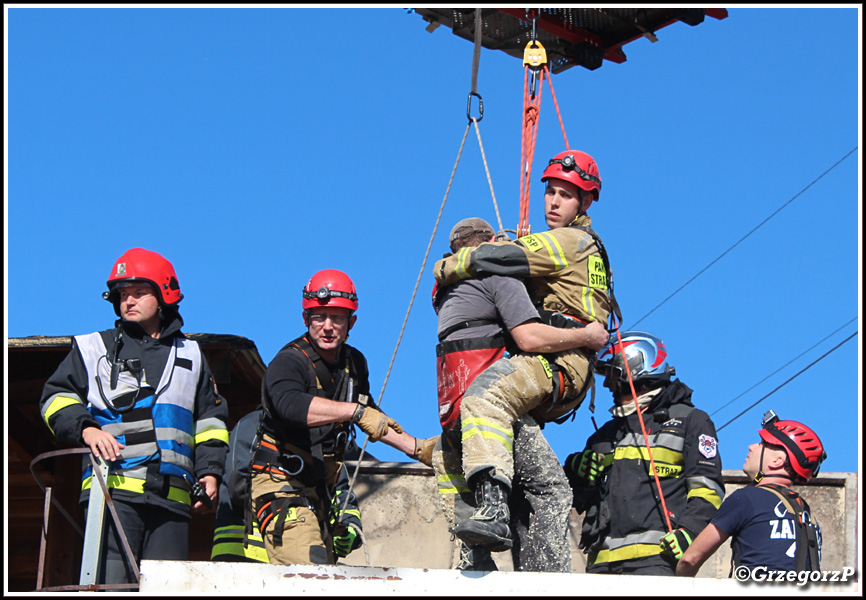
(587, 466)
(676, 542)
(424, 450)
(346, 542)
(374, 422)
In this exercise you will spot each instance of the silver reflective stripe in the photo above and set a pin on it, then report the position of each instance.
(645, 537)
(705, 482)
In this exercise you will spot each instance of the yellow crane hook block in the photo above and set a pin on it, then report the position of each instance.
(534, 55)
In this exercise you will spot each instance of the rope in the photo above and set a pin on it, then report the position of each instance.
(487, 170)
(531, 114)
(408, 310)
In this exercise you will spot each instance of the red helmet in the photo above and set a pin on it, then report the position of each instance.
(330, 288)
(576, 167)
(139, 264)
(805, 451)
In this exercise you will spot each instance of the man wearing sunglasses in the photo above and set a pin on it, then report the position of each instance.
(771, 526)
(142, 398)
(315, 389)
(568, 276)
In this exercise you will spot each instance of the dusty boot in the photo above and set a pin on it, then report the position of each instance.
(488, 525)
(475, 558)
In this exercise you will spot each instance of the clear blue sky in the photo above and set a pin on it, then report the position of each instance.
(253, 147)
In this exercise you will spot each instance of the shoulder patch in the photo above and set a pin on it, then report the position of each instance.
(708, 445)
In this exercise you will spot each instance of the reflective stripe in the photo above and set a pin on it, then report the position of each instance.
(556, 254)
(461, 268)
(56, 404)
(713, 488)
(707, 494)
(452, 484)
(130, 484)
(488, 430)
(586, 300)
(210, 429)
(229, 540)
(626, 553)
(660, 455)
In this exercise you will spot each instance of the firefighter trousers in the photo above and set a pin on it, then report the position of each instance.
(540, 500)
(509, 388)
(295, 516)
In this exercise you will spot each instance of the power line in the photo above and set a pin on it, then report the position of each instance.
(761, 224)
(783, 366)
(809, 366)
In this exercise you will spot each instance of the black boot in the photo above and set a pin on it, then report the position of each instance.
(488, 525)
(475, 558)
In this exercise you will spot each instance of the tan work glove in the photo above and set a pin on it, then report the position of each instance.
(424, 450)
(374, 422)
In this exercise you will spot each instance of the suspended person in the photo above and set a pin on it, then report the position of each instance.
(478, 320)
(771, 526)
(625, 530)
(314, 390)
(141, 396)
(569, 281)
(239, 540)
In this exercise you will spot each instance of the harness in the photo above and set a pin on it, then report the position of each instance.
(282, 460)
(807, 551)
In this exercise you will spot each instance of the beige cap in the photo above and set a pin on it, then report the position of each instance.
(468, 227)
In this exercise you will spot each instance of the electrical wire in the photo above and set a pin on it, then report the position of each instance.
(738, 242)
(803, 370)
(804, 352)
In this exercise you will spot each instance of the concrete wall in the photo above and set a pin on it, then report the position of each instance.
(404, 525)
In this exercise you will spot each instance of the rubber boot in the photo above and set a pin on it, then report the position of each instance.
(488, 525)
(475, 558)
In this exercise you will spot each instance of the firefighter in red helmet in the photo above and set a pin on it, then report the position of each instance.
(569, 280)
(141, 396)
(314, 390)
(771, 525)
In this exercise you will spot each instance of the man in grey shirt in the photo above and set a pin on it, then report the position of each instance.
(480, 319)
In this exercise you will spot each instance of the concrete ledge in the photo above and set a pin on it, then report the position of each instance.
(178, 578)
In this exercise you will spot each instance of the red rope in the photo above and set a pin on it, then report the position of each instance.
(642, 426)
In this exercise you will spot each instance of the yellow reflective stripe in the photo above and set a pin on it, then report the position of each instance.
(706, 494)
(556, 254)
(135, 485)
(660, 455)
(462, 268)
(237, 549)
(451, 484)
(58, 404)
(586, 300)
(352, 512)
(503, 437)
(627, 553)
(212, 434)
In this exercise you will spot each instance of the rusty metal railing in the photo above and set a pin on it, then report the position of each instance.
(93, 531)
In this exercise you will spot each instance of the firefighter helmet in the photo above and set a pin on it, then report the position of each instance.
(646, 356)
(330, 288)
(805, 451)
(575, 167)
(140, 265)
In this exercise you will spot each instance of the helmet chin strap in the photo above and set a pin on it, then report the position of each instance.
(760, 474)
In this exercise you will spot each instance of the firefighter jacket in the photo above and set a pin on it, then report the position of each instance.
(565, 269)
(156, 396)
(624, 520)
(294, 376)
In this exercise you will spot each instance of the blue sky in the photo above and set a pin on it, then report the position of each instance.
(255, 146)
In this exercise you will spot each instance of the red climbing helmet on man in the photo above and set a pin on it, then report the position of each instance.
(330, 287)
(803, 447)
(575, 167)
(140, 265)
